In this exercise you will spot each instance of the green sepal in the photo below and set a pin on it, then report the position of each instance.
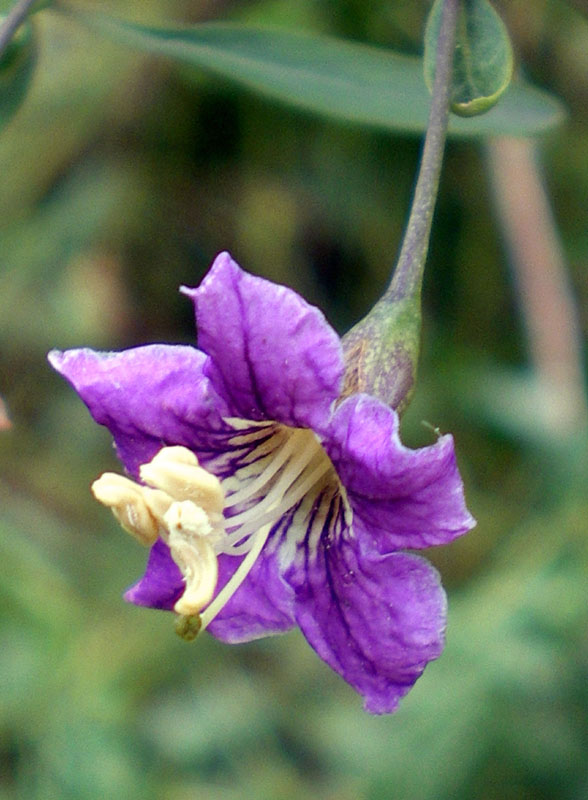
(382, 350)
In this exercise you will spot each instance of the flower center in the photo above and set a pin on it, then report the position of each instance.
(267, 471)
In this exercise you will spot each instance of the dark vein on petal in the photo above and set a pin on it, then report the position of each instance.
(247, 355)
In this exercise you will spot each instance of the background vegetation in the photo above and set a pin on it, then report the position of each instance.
(120, 178)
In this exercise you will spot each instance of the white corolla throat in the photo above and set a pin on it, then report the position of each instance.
(200, 517)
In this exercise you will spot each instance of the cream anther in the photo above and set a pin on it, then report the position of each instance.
(279, 475)
(189, 540)
(183, 504)
(188, 520)
(175, 471)
(127, 502)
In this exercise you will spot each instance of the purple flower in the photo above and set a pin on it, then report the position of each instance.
(260, 489)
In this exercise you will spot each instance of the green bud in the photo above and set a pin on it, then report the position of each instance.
(483, 61)
(381, 352)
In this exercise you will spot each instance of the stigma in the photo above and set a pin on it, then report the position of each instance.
(276, 472)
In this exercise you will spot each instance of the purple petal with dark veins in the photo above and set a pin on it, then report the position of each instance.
(376, 620)
(273, 356)
(162, 584)
(148, 397)
(405, 498)
(261, 606)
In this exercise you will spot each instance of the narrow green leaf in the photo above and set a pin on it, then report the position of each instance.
(17, 66)
(352, 82)
(482, 67)
(8, 5)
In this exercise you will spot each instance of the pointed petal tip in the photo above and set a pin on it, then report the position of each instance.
(221, 261)
(224, 258)
(61, 361)
(55, 358)
(140, 596)
(378, 708)
(129, 595)
(73, 363)
(223, 268)
(135, 596)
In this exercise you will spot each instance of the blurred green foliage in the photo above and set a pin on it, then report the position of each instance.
(17, 64)
(121, 179)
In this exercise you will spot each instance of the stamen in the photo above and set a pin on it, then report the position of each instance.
(190, 547)
(290, 474)
(127, 502)
(183, 505)
(175, 471)
(277, 461)
(274, 469)
(252, 519)
(237, 578)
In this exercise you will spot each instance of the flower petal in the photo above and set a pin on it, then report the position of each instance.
(273, 356)
(162, 584)
(376, 620)
(405, 498)
(261, 606)
(148, 397)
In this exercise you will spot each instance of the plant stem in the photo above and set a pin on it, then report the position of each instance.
(13, 21)
(382, 350)
(544, 293)
(408, 275)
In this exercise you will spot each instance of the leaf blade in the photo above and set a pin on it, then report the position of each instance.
(348, 81)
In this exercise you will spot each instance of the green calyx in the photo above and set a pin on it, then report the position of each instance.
(381, 352)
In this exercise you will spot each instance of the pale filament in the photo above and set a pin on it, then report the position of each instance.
(277, 510)
(277, 461)
(292, 470)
